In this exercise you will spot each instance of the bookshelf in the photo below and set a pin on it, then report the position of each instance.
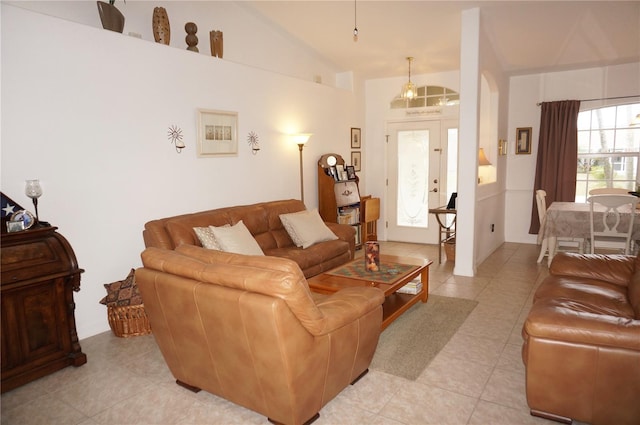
(339, 195)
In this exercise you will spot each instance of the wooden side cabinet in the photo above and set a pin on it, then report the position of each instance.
(338, 200)
(39, 275)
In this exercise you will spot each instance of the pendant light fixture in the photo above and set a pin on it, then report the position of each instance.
(355, 21)
(409, 90)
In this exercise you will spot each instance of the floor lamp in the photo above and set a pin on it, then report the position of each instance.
(300, 140)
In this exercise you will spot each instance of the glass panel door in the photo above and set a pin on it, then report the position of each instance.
(413, 181)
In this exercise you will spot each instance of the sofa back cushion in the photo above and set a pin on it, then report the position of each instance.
(262, 220)
(272, 276)
(634, 289)
(255, 218)
(180, 228)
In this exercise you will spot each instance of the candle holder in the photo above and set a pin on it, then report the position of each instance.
(33, 190)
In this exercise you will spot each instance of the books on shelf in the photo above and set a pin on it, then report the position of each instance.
(349, 215)
(414, 287)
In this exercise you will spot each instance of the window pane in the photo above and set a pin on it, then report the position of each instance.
(418, 102)
(602, 141)
(604, 118)
(435, 90)
(628, 140)
(584, 120)
(626, 115)
(398, 103)
(413, 176)
(433, 101)
(583, 142)
(453, 97)
(608, 156)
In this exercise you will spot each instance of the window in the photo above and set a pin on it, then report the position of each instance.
(608, 149)
(428, 96)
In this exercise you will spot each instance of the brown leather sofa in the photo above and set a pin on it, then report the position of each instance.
(263, 222)
(582, 341)
(247, 328)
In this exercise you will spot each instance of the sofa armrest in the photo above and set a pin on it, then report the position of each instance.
(347, 306)
(616, 269)
(560, 320)
(346, 233)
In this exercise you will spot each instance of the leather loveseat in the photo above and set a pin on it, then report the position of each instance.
(263, 222)
(247, 328)
(582, 341)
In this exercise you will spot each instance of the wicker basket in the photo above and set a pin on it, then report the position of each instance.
(126, 321)
(450, 249)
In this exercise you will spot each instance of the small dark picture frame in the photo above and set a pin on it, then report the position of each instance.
(351, 172)
(356, 138)
(356, 160)
(333, 171)
(523, 140)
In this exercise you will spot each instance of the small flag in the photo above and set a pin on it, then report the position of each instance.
(8, 206)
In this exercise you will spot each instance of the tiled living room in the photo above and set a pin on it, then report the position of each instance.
(97, 106)
(477, 378)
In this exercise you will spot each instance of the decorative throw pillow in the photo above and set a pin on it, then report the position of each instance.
(306, 228)
(123, 292)
(237, 239)
(206, 237)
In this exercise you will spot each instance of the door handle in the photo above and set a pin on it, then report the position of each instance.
(435, 189)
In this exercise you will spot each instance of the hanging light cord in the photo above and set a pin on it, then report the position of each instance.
(355, 21)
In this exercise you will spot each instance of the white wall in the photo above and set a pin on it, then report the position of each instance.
(525, 92)
(249, 38)
(87, 112)
(490, 198)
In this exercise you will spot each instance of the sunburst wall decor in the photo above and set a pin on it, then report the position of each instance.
(175, 136)
(252, 139)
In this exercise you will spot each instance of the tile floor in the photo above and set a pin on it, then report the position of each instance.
(478, 377)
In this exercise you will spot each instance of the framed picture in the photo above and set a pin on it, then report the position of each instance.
(356, 159)
(523, 140)
(356, 138)
(502, 147)
(333, 171)
(15, 226)
(217, 133)
(351, 172)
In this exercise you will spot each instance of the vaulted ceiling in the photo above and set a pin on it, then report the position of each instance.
(527, 36)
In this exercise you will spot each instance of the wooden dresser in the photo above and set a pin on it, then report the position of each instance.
(39, 275)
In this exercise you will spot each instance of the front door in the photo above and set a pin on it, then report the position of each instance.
(414, 181)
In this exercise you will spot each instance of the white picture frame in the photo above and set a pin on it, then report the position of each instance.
(217, 133)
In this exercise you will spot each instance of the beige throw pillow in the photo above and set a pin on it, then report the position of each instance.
(237, 239)
(206, 238)
(306, 228)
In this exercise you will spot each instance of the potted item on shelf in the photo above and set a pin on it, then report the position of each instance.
(112, 19)
(161, 27)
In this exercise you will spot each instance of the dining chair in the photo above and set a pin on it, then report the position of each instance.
(609, 191)
(562, 243)
(612, 227)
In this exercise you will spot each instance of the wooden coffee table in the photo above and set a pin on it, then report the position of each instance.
(394, 304)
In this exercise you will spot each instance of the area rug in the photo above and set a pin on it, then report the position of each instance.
(388, 273)
(408, 345)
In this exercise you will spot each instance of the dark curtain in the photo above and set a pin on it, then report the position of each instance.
(557, 162)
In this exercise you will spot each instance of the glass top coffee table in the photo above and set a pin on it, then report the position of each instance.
(395, 272)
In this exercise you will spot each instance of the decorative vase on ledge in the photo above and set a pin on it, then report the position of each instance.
(161, 27)
(112, 19)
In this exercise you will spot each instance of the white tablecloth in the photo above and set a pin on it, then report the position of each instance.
(572, 219)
